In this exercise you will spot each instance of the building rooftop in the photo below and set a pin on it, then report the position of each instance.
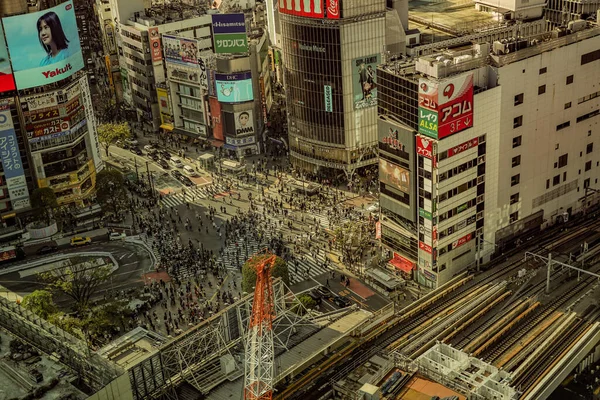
(133, 347)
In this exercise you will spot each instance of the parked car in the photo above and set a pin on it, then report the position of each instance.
(341, 301)
(163, 164)
(176, 174)
(51, 248)
(176, 162)
(186, 181)
(136, 150)
(116, 236)
(315, 296)
(36, 376)
(149, 148)
(80, 241)
(166, 155)
(189, 170)
(323, 291)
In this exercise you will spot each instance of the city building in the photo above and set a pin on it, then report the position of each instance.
(503, 141)
(330, 55)
(108, 32)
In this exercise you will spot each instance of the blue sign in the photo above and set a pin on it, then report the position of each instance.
(234, 88)
(228, 23)
(44, 46)
(11, 161)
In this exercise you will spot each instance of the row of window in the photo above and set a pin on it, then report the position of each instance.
(457, 227)
(458, 190)
(588, 97)
(457, 170)
(457, 210)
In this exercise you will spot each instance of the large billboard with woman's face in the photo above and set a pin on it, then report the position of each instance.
(44, 46)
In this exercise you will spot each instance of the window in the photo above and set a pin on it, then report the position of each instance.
(588, 165)
(547, 183)
(565, 176)
(541, 89)
(517, 141)
(515, 179)
(563, 160)
(569, 79)
(589, 148)
(514, 217)
(516, 160)
(514, 198)
(563, 125)
(567, 105)
(519, 99)
(586, 183)
(543, 70)
(518, 121)
(556, 180)
(590, 57)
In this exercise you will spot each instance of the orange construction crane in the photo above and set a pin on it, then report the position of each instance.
(260, 351)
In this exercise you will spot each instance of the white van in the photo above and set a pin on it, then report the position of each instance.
(176, 162)
(189, 170)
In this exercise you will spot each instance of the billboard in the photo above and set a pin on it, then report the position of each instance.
(244, 122)
(328, 98)
(215, 116)
(163, 106)
(154, 38)
(181, 50)
(229, 33)
(394, 175)
(424, 147)
(333, 9)
(303, 8)
(7, 82)
(445, 108)
(44, 46)
(234, 88)
(364, 81)
(203, 73)
(11, 161)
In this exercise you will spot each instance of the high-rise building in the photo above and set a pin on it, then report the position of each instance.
(503, 143)
(330, 54)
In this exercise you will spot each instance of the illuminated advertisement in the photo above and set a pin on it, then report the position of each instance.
(364, 81)
(11, 161)
(234, 88)
(7, 82)
(424, 147)
(333, 9)
(6, 255)
(303, 8)
(44, 46)
(445, 108)
(215, 116)
(181, 50)
(154, 38)
(163, 106)
(229, 33)
(394, 175)
(244, 122)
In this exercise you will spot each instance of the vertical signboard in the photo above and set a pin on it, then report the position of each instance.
(109, 70)
(163, 106)
(263, 99)
(424, 147)
(215, 114)
(203, 73)
(333, 9)
(303, 8)
(364, 81)
(428, 106)
(11, 161)
(88, 107)
(328, 99)
(455, 105)
(229, 33)
(154, 38)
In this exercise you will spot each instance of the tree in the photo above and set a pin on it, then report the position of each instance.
(308, 302)
(111, 192)
(40, 303)
(79, 280)
(109, 133)
(44, 200)
(352, 238)
(278, 270)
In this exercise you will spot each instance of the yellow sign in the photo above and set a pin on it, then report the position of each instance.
(166, 117)
(109, 70)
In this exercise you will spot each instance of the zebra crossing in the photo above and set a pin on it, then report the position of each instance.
(308, 268)
(192, 195)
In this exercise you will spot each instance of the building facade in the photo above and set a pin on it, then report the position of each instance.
(330, 56)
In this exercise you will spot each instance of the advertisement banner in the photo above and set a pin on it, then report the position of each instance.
(425, 247)
(333, 9)
(263, 99)
(234, 88)
(44, 46)
(303, 8)
(394, 175)
(364, 81)
(240, 141)
(11, 161)
(163, 106)
(425, 147)
(469, 144)
(215, 116)
(229, 33)
(244, 122)
(425, 214)
(462, 240)
(90, 115)
(154, 38)
(455, 105)
(203, 73)
(428, 106)
(392, 140)
(378, 230)
(180, 50)
(109, 70)
(7, 82)
(50, 127)
(328, 99)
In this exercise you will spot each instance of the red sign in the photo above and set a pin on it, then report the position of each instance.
(155, 44)
(455, 110)
(378, 230)
(402, 263)
(425, 247)
(50, 127)
(425, 147)
(463, 147)
(7, 255)
(462, 240)
(333, 9)
(303, 8)
(215, 116)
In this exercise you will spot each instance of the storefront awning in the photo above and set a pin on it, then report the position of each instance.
(217, 143)
(167, 127)
(401, 263)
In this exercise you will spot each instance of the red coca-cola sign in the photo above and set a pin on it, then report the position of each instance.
(333, 9)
